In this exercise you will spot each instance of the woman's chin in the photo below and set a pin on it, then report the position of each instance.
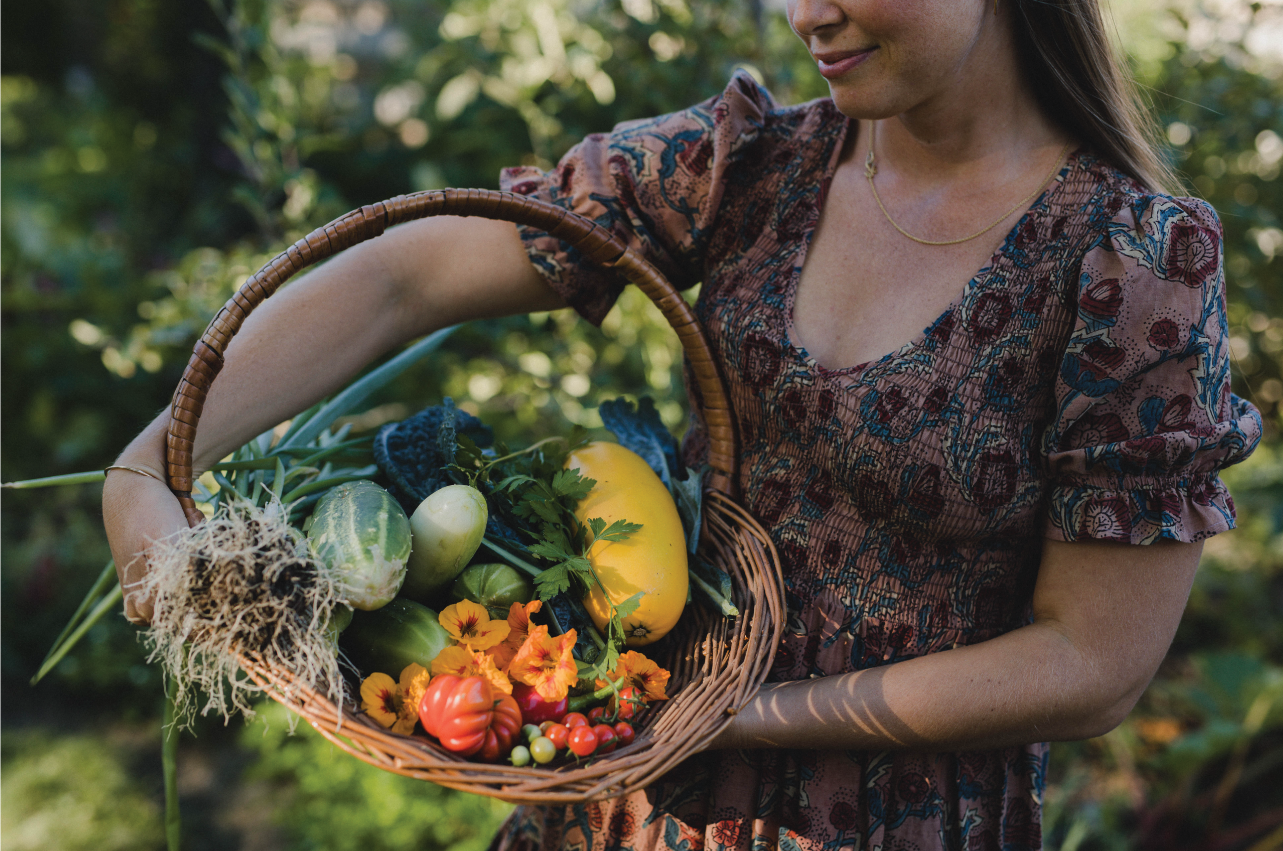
(864, 101)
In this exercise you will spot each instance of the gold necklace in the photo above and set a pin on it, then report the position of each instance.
(871, 168)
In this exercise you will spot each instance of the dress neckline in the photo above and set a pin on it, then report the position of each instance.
(803, 245)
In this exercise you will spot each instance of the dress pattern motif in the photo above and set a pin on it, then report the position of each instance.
(1078, 388)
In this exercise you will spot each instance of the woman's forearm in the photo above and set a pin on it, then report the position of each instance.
(1029, 685)
(1104, 616)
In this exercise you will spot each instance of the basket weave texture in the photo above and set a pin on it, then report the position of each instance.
(717, 664)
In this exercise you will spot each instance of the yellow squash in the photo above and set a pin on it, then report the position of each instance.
(652, 560)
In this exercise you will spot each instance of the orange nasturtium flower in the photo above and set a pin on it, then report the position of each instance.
(469, 623)
(381, 699)
(648, 678)
(462, 662)
(414, 682)
(545, 662)
(518, 630)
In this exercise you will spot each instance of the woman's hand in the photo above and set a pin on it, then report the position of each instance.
(1104, 616)
(138, 510)
(312, 338)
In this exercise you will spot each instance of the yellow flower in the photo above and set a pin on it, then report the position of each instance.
(414, 682)
(518, 630)
(469, 624)
(648, 678)
(546, 663)
(381, 699)
(462, 662)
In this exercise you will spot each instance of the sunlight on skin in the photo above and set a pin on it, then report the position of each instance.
(1104, 616)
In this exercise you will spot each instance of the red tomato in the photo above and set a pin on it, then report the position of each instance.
(596, 715)
(543, 728)
(503, 731)
(606, 738)
(467, 718)
(574, 719)
(582, 741)
(627, 703)
(433, 701)
(624, 731)
(557, 734)
(534, 709)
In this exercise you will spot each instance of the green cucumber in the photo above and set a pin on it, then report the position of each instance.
(360, 532)
(397, 635)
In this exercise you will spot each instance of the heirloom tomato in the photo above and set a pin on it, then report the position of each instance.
(467, 718)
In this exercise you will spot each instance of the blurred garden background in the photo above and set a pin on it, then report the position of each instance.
(156, 153)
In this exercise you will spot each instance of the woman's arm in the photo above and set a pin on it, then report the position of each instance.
(313, 337)
(1104, 616)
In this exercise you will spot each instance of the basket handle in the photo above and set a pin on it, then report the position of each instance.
(593, 241)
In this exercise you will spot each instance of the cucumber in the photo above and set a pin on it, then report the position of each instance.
(448, 527)
(495, 586)
(387, 640)
(359, 531)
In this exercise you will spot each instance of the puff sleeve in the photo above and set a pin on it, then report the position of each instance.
(1144, 416)
(656, 183)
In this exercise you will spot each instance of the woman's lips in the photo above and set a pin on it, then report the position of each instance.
(834, 65)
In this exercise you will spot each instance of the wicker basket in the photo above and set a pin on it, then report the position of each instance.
(717, 664)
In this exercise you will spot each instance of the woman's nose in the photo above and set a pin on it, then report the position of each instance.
(810, 16)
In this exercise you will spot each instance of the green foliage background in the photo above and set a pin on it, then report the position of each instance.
(155, 154)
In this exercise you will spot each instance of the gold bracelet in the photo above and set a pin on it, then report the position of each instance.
(146, 473)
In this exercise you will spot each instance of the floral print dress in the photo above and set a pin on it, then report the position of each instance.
(1078, 388)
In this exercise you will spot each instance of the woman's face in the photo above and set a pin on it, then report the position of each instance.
(884, 57)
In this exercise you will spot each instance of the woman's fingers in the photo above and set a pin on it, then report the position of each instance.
(136, 512)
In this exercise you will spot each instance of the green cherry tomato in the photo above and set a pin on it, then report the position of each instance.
(530, 732)
(543, 750)
(520, 756)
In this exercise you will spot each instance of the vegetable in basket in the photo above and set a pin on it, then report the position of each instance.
(468, 717)
(447, 526)
(651, 561)
(495, 586)
(361, 533)
(397, 635)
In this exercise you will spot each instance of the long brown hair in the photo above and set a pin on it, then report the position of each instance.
(1075, 73)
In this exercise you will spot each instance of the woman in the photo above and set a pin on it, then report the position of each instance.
(989, 532)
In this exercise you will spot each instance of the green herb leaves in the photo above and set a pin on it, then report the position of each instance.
(531, 488)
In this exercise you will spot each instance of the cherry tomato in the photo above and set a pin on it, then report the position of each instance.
(596, 715)
(543, 728)
(574, 719)
(583, 741)
(606, 738)
(543, 750)
(557, 734)
(624, 731)
(520, 756)
(530, 732)
(627, 703)
(534, 709)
